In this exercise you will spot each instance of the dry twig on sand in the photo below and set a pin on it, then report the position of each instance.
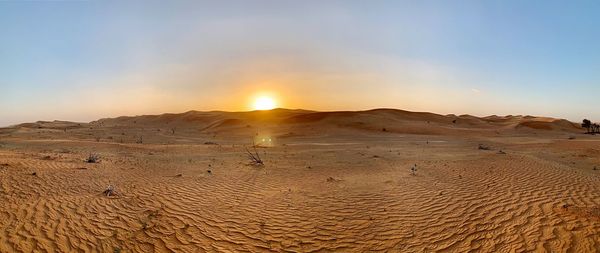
(254, 157)
(484, 147)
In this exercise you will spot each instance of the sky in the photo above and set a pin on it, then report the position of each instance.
(85, 60)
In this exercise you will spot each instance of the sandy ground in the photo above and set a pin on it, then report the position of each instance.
(321, 189)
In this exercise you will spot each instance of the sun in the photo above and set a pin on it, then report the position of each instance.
(264, 103)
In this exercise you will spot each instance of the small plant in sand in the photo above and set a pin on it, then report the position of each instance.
(413, 170)
(93, 158)
(483, 147)
(254, 157)
(110, 191)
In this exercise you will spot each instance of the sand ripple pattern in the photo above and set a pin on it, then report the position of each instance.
(513, 203)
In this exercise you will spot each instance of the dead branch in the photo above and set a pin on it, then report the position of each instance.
(254, 157)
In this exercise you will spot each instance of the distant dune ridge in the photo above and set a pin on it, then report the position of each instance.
(390, 120)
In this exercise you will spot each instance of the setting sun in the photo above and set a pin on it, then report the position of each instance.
(253, 125)
(264, 103)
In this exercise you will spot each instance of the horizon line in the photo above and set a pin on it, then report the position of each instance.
(289, 109)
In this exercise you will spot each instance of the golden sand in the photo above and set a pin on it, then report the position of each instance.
(337, 181)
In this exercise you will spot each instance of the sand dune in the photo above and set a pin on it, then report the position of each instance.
(280, 121)
(332, 181)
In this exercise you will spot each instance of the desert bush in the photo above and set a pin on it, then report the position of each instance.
(254, 157)
(93, 158)
(110, 191)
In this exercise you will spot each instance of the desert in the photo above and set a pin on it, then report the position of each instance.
(330, 182)
(344, 126)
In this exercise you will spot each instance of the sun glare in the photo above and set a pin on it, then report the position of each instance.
(264, 103)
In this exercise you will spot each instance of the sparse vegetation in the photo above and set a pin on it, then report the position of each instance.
(254, 157)
(587, 124)
(110, 191)
(484, 147)
(592, 128)
(93, 158)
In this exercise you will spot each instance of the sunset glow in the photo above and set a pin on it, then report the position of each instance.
(339, 55)
(287, 126)
(264, 103)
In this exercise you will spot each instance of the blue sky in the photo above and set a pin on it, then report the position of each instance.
(83, 60)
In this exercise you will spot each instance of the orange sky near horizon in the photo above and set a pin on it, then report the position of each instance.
(85, 60)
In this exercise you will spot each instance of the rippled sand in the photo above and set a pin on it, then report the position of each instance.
(354, 196)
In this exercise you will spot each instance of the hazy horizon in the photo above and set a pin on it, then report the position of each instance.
(278, 108)
(81, 61)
